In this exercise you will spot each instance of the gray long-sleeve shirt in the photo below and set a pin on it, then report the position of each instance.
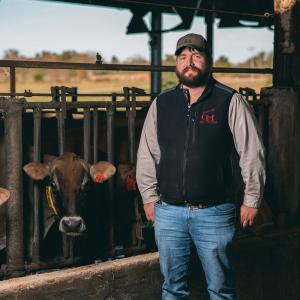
(247, 141)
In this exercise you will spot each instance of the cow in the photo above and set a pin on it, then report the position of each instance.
(132, 227)
(68, 200)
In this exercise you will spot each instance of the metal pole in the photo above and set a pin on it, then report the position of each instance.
(284, 73)
(131, 128)
(110, 156)
(14, 226)
(12, 73)
(36, 192)
(61, 132)
(86, 134)
(156, 50)
(209, 20)
(95, 135)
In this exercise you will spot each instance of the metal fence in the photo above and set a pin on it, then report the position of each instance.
(63, 102)
(13, 111)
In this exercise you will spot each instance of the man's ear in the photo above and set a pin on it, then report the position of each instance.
(102, 171)
(37, 170)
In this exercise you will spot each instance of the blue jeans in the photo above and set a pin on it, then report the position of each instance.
(212, 231)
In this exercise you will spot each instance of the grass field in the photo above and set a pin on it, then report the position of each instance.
(115, 81)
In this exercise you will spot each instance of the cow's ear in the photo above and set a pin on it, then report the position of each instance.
(4, 195)
(102, 171)
(37, 170)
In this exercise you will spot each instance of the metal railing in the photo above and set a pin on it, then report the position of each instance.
(14, 109)
(15, 64)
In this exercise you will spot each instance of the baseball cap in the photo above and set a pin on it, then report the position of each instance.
(194, 40)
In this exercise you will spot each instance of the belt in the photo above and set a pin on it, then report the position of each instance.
(199, 205)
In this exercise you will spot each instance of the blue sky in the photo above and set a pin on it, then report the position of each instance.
(32, 26)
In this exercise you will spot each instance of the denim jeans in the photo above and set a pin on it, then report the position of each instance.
(212, 231)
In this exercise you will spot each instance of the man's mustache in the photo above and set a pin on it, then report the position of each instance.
(191, 68)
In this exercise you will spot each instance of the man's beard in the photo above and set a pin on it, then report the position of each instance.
(198, 80)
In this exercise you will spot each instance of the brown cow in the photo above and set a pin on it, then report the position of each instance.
(132, 227)
(67, 180)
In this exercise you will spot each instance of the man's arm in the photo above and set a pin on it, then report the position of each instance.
(248, 143)
(147, 158)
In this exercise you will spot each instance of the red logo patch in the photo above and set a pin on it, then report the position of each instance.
(209, 117)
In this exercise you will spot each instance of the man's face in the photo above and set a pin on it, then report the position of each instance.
(192, 68)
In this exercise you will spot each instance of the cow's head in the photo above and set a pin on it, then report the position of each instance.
(126, 172)
(68, 179)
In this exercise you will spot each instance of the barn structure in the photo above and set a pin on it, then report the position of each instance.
(268, 263)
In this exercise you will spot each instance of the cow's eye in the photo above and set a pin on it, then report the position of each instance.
(84, 183)
(53, 185)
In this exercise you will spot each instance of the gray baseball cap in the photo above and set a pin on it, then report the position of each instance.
(194, 40)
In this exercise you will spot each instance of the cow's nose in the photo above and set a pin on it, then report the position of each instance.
(72, 224)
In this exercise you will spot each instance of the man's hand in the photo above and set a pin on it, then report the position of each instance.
(149, 211)
(248, 215)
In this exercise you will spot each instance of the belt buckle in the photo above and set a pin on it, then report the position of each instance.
(196, 206)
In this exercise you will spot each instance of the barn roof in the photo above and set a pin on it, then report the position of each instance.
(232, 13)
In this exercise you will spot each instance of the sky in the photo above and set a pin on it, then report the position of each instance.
(32, 26)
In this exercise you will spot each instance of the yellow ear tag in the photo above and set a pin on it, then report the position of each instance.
(50, 200)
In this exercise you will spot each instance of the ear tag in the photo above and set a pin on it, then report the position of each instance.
(100, 177)
(131, 184)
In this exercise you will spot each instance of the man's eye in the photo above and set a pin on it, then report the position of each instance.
(197, 57)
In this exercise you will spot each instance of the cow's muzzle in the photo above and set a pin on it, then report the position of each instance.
(72, 225)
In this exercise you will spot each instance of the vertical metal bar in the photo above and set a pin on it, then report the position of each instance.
(61, 131)
(209, 20)
(131, 128)
(60, 115)
(110, 155)
(74, 94)
(12, 73)
(13, 161)
(156, 50)
(86, 134)
(95, 135)
(36, 192)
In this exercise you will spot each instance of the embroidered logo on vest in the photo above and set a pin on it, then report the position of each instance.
(208, 117)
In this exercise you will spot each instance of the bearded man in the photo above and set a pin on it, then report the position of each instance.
(184, 172)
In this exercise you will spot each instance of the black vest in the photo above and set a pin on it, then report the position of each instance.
(196, 145)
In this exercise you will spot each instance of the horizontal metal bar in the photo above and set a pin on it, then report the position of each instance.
(82, 66)
(80, 104)
(79, 95)
(117, 67)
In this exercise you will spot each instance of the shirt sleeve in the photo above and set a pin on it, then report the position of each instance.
(248, 143)
(148, 158)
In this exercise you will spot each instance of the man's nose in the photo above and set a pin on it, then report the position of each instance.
(190, 61)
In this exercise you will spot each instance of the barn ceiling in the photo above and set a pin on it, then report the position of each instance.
(232, 13)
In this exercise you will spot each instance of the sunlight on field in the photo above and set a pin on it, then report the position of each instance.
(114, 82)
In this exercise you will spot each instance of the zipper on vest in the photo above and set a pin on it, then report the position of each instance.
(186, 144)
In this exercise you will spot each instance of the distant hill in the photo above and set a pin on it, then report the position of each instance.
(260, 60)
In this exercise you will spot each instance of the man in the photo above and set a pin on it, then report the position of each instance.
(184, 171)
